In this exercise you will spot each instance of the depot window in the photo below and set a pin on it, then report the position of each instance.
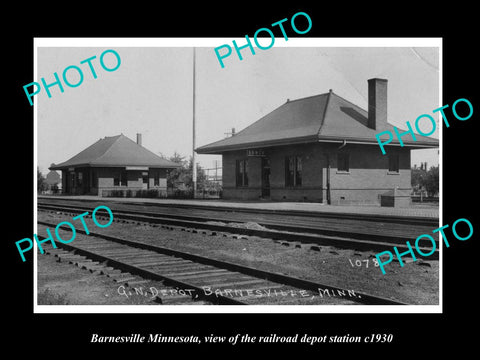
(120, 178)
(242, 172)
(123, 178)
(393, 163)
(343, 160)
(94, 179)
(293, 171)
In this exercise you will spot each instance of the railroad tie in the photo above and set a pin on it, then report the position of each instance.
(143, 255)
(123, 252)
(199, 274)
(96, 268)
(125, 280)
(72, 259)
(185, 272)
(92, 244)
(145, 264)
(68, 255)
(136, 282)
(117, 274)
(123, 277)
(87, 264)
(54, 251)
(164, 263)
(110, 270)
(237, 283)
(176, 267)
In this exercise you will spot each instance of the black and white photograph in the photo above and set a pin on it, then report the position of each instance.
(208, 179)
(171, 180)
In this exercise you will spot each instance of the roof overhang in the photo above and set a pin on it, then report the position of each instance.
(127, 167)
(309, 139)
(352, 140)
(255, 145)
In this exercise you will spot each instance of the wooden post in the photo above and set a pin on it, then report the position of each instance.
(194, 165)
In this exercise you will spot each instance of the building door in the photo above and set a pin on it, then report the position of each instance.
(71, 189)
(265, 177)
(86, 181)
(145, 180)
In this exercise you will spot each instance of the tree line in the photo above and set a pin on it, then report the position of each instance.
(180, 180)
(426, 180)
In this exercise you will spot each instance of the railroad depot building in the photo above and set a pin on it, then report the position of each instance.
(117, 165)
(320, 148)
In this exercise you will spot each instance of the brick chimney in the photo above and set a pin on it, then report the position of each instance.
(139, 139)
(377, 103)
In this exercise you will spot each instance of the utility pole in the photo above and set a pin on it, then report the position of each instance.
(194, 165)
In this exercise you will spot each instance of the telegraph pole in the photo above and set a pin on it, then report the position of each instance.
(194, 165)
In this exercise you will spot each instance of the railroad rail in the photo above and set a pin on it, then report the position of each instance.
(210, 279)
(408, 220)
(346, 239)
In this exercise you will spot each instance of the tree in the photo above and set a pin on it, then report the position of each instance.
(423, 180)
(41, 183)
(431, 181)
(418, 179)
(181, 178)
(177, 158)
(180, 174)
(201, 176)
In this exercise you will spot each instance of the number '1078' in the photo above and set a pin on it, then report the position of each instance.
(359, 262)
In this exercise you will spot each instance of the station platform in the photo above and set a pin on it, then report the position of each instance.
(429, 211)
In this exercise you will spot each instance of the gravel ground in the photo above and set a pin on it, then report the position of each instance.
(415, 283)
(61, 283)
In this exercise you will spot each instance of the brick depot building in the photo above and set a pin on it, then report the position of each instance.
(320, 148)
(115, 163)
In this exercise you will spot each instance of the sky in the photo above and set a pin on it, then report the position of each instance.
(151, 92)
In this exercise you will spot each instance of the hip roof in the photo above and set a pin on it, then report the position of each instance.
(115, 151)
(319, 118)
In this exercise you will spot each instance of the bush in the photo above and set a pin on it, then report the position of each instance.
(147, 193)
(152, 193)
(183, 194)
(113, 193)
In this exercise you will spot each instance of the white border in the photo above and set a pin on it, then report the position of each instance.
(199, 42)
(214, 42)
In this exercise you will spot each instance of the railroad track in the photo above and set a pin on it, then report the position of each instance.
(204, 279)
(346, 239)
(128, 284)
(408, 220)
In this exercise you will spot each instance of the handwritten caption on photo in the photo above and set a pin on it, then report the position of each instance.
(153, 292)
